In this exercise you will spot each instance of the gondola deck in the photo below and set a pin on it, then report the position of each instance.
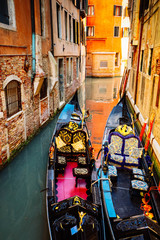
(127, 210)
(72, 211)
(125, 204)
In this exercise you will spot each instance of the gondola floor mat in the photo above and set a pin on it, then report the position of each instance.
(66, 184)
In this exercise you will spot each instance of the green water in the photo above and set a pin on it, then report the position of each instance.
(22, 204)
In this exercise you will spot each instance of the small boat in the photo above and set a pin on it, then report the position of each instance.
(73, 212)
(130, 193)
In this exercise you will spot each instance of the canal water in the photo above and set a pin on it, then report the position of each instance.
(22, 199)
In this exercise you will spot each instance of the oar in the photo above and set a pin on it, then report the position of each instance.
(45, 189)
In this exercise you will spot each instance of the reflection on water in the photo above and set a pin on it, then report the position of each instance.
(101, 96)
(22, 205)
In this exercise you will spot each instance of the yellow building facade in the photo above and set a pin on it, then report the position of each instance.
(144, 65)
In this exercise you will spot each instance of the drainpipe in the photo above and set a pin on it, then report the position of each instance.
(33, 42)
(140, 41)
(51, 19)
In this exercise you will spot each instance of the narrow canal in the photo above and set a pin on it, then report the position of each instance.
(22, 201)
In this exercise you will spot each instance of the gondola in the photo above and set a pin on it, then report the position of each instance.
(73, 212)
(130, 193)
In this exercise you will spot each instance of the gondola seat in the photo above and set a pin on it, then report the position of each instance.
(61, 161)
(81, 173)
(138, 174)
(112, 173)
(124, 151)
(82, 161)
(138, 187)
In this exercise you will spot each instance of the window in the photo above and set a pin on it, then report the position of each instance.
(77, 32)
(150, 61)
(7, 14)
(103, 64)
(69, 65)
(59, 21)
(4, 15)
(142, 89)
(43, 92)
(66, 26)
(74, 28)
(125, 32)
(90, 31)
(142, 54)
(90, 10)
(70, 29)
(117, 11)
(116, 31)
(117, 59)
(143, 6)
(13, 97)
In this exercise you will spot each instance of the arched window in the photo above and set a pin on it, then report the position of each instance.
(13, 97)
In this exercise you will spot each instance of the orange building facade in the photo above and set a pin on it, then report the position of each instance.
(104, 34)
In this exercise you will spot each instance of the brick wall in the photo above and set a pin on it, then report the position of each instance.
(16, 129)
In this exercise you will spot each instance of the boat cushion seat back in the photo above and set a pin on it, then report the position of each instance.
(124, 151)
(116, 143)
(79, 142)
(63, 141)
(117, 158)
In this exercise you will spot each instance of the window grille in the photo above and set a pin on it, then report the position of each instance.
(13, 98)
